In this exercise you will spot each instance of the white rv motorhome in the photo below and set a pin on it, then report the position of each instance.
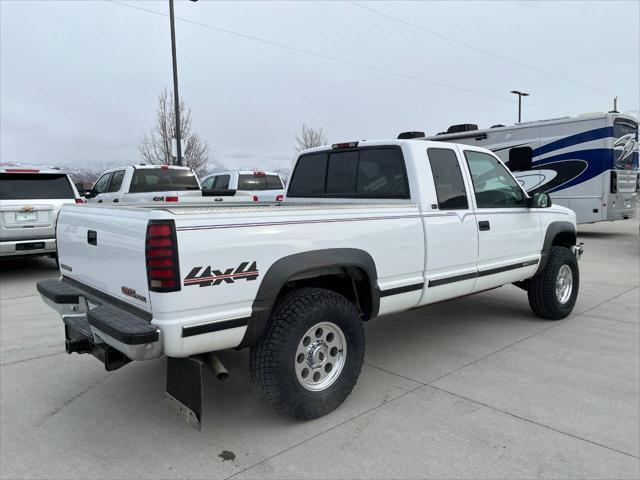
(587, 163)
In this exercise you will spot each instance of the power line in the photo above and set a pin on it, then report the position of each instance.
(335, 59)
(478, 49)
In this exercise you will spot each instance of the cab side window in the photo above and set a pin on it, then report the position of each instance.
(208, 183)
(116, 181)
(102, 183)
(222, 182)
(493, 184)
(447, 177)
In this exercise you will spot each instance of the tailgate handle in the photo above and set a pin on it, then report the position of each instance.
(92, 237)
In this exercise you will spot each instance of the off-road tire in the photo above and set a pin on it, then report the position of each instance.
(272, 359)
(542, 288)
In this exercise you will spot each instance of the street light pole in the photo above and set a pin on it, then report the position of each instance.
(176, 98)
(520, 95)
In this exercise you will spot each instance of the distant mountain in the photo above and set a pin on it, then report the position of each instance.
(77, 174)
(88, 175)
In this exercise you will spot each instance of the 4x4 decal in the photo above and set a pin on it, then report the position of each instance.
(205, 276)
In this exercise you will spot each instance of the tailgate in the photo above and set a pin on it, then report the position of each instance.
(104, 248)
(20, 219)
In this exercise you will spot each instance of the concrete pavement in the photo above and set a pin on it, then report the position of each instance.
(471, 388)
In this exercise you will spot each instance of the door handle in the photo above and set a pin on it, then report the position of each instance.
(484, 225)
(116, 200)
(92, 237)
(99, 201)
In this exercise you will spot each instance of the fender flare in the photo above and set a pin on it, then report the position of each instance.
(553, 229)
(300, 265)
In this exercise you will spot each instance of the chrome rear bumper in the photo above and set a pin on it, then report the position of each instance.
(578, 250)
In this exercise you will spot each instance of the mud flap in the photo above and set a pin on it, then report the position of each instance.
(184, 389)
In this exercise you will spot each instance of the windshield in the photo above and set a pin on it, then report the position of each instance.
(259, 181)
(34, 186)
(625, 146)
(162, 179)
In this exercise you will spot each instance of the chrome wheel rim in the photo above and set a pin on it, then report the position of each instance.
(320, 356)
(564, 284)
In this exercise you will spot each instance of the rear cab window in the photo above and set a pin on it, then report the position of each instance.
(35, 186)
(259, 181)
(365, 172)
(162, 179)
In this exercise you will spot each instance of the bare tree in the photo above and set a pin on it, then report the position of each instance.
(310, 137)
(155, 148)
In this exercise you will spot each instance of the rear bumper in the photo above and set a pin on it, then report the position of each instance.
(578, 250)
(38, 246)
(95, 325)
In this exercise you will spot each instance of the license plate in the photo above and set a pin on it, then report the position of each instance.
(26, 216)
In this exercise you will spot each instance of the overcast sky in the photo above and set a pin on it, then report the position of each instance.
(79, 79)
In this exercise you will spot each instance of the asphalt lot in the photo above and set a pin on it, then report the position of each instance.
(471, 388)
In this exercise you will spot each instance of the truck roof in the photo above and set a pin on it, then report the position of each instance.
(376, 143)
(243, 172)
(44, 171)
(143, 166)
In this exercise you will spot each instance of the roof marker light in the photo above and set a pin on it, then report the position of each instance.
(344, 145)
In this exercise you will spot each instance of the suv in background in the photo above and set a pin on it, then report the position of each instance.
(145, 184)
(261, 186)
(30, 200)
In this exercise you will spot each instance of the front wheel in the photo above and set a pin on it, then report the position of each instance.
(553, 292)
(311, 355)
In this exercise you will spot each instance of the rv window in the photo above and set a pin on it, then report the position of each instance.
(494, 186)
(448, 179)
(520, 159)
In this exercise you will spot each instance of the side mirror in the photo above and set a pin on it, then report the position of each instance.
(89, 193)
(539, 200)
(80, 188)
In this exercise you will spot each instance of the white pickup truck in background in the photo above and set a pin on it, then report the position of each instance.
(367, 229)
(259, 186)
(145, 184)
(30, 199)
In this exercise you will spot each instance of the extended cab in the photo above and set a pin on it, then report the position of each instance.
(257, 185)
(30, 200)
(367, 229)
(145, 184)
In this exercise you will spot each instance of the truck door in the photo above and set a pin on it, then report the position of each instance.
(100, 188)
(113, 193)
(509, 237)
(450, 229)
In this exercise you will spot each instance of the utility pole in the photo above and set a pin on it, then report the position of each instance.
(176, 98)
(520, 95)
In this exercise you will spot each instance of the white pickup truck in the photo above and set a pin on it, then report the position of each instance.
(145, 184)
(368, 229)
(258, 185)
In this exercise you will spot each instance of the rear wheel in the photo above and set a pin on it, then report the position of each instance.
(553, 292)
(310, 358)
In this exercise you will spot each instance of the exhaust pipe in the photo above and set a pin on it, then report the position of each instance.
(214, 363)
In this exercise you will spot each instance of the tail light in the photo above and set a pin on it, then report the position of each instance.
(614, 182)
(170, 199)
(279, 198)
(79, 200)
(163, 270)
(255, 198)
